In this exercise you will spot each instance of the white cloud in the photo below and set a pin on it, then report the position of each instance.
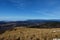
(45, 12)
(49, 14)
(18, 3)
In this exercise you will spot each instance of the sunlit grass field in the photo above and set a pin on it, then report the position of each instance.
(31, 34)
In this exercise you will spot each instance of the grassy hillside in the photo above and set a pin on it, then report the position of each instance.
(19, 33)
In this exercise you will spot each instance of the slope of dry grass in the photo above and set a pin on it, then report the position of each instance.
(30, 34)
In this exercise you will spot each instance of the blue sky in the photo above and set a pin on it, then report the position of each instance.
(29, 9)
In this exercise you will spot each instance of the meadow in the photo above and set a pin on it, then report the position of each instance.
(20, 33)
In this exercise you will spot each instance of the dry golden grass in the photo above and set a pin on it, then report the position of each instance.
(30, 34)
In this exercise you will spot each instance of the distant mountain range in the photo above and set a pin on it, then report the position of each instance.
(32, 21)
(26, 23)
